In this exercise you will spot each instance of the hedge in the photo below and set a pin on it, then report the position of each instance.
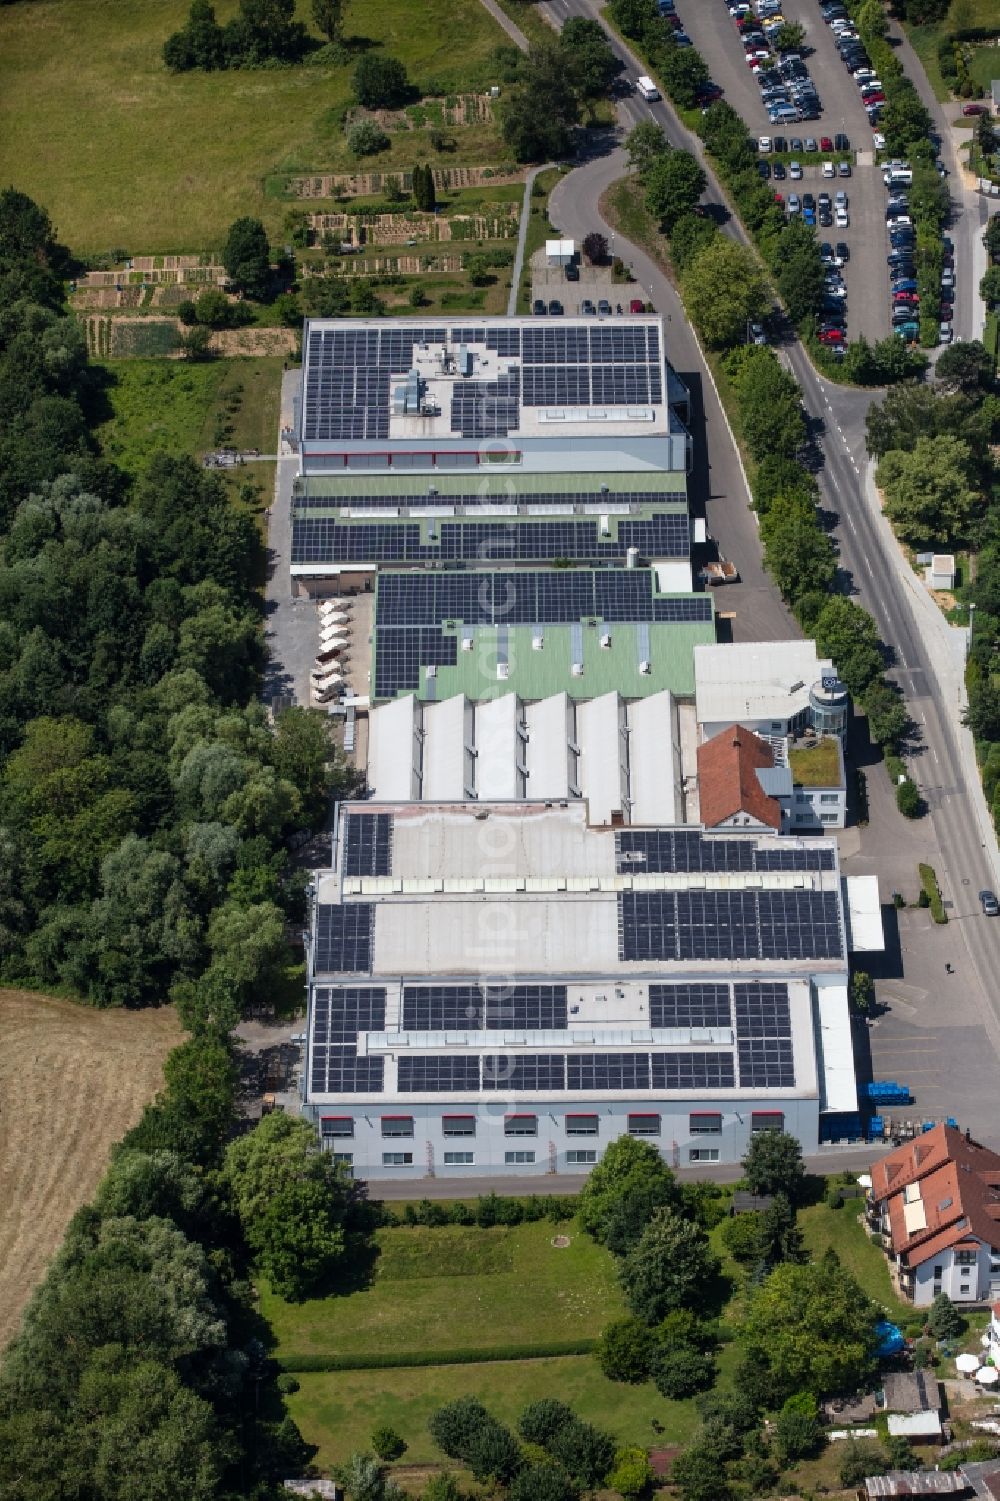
(398, 1359)
(929, 882)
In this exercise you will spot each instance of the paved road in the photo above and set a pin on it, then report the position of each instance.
(515, 33)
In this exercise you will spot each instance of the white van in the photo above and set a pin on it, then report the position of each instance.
(647, 88)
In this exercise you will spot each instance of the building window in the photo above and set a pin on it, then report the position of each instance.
(459, 1159)
(828, 817)
(397, 1159)
(397, 1125)
(938, 1273)
(643, 1125)
(965, 1258)
(580, 1158)
(829, 797)
(767, 1120)
(518, 1157)
(347, 1158)
(458, 1125)
(336, 1125)
(581, 1125)
(703, 1154)
(520, 1125)
(705, 1123)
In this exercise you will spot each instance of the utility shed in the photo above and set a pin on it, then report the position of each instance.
(560, 252)
(915, 1425)
(911, 1391)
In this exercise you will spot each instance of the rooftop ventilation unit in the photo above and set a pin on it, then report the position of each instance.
(577, 669)
(606, 640)
(537, 642)
(645, 668)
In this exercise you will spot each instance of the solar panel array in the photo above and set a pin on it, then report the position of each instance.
(328, 539)
(764, 1036)
(435, 1072)
(666, 925)
(344, 938)
(349, 374)
(410, 603)
(368, 844)
(689, 1006)
(339, 1014)
(524, 1071)
(582, 1073)
(477, 1008)
(693, 1071)
(662, 850)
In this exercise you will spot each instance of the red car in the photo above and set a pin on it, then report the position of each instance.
(905, 297)
(779, 198)
(832, 336)
(636, 306)
(825, 144)
(975, 109)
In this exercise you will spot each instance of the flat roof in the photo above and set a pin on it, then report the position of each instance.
(751, 680)
(496, 485)
(418, 380)
(835, 1049)
(863, 914)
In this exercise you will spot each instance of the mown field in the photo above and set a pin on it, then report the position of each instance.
(124, 154)
(72, 1081)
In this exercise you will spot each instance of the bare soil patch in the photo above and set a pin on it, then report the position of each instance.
(72, 1082)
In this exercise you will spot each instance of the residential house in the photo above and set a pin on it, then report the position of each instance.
(747, 781)
(936, 1202)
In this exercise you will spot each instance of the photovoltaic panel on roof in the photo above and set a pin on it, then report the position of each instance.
(368, 844)
(532, 1008)
(661, 850)
(343, 938)
(586, 1071)
(689, 1006)
(433, 1073)
(524, 1071)
(338, 1014)
(692, 1070)
(665, 925)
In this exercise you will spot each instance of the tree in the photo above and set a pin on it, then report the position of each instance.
(632, 1475)
(812, 1328)
(367, 138)
(989, 286)
(246, 256)
(590, 58)
(197, 345)
(724, 289)
(645, 144)
(213, 308)
(625, 1351)
(292, 1201)
(991, 237)
(689, 236)
(595, 248)
(965, 366)
(633, 16)
(630, 1169)
(674, 184)
(789, 38)
(699, 1475)
(466, 1431)
(799, 556)
(681, 1370)
(848, 634)
(583, 1451)
(543, 1482)
(928, 493)
(798, 1428)
(888, 717)
(541, 1420)
(872, 20)
(860, 1458)
(380, 82)
(670, 1265)
(386, 1442)
(908, 799)
(944, 1320)
(329, 18)
(364, 1478)
(773, 1164)
(800, 273)
(538, 115)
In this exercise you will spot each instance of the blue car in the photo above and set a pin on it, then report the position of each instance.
(809, 216)
(904, 284)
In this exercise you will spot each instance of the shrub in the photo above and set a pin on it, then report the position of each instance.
(187, 312)
(944, 1320)
(625, 1351)
(859, 1459)
(681, 1371)
(386, 1441)
(366, 138)
(908, 799)
(540, 1420)
(632, 1475)
(543, 1482)
(380, 82)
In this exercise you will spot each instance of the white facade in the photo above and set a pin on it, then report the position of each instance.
(764, 686)
(967, 1276)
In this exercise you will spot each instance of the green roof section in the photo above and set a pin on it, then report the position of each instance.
(534, 673)
(818, 765)
(493, 483)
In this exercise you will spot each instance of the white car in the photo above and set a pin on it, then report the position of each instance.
(840, 199)
(947, 277)
(899, 221)
(842, 219)
(794, 171)
(878, 140)
(945, 335)
(764, 145)
(829, 170)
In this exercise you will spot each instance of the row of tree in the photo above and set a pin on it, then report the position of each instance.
(550, 87)
(262, 31)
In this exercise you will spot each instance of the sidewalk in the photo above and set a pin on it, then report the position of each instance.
(945, 646)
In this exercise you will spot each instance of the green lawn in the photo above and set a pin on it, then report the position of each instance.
(539, 230)
(823, 1228)
(962, 14)
(452, 1288)
(337, 1410)
(984, 64)
(819, 766)
(124, 154)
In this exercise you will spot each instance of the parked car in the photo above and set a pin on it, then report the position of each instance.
(778, 172)
(587, 308)
(764, 170)
(795, 144)
(809, 217)
(810, 144)
(808, 201)
(844, 169)
(829, 170)
(975, 109)
(907, 332)
(794, 171)
(572, 273)
(947, 277)
(842, 250)
(780, 144)
(637, 305)
(555, 308)
(904, 284)
(764, 144)
(793, 204)
(945, 334)
(987, 899)
(841, 143)
(842, 219)
(825, 144)
(538, 308)
(604, 308)
(824, 200)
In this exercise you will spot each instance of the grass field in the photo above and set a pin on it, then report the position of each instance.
(72, 1082)
(823, 1228)
(452, 1288)
(962, 14)
(123, 153)
(337, 1410)
(173, 406)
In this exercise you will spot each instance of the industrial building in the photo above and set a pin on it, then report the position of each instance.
(505, 988)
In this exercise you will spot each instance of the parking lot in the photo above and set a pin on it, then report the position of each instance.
(713, 31)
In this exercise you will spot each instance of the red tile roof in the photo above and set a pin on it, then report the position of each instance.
(958, 1189)
(727, 778)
